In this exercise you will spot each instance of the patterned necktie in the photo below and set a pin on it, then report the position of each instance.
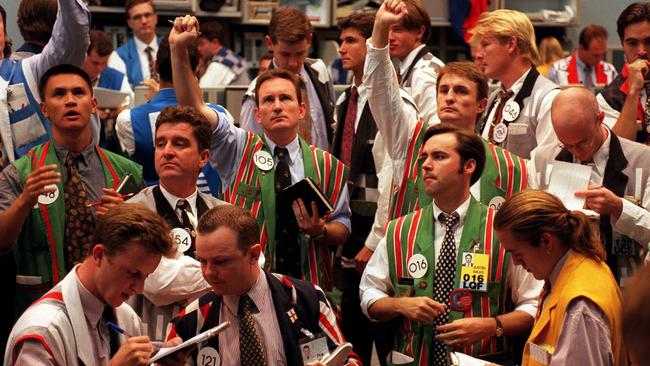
(305, 123)
(444, 282)
(79, 221)
(498, 114)
(348, 127)
(282, 173)
(250, 344)
(152, 72)
(184, 207)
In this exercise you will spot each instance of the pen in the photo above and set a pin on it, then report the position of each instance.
(114, 327)
(122, 196)
(172, 22)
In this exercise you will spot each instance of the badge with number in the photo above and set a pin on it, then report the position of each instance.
(496, 202)
(500, 132)
(181, 238)
(417, 266)
(461, 300)
(313, 349)
(474, 271)
(208, 356)
(263, 160)
(511, 111)
(49, 197)
(622, 245)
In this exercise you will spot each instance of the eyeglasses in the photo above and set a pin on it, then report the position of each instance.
(581, 144)
(138, 17)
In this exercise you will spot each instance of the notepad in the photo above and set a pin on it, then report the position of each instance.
(202, 337)
(566, 180)
(109, 98)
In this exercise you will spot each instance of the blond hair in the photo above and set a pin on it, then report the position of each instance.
(506, 23)
(550, 50)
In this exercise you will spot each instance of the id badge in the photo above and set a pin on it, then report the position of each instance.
(622, 245)
(313, 349)
(17, 97)
(540, 354)
(474, 271)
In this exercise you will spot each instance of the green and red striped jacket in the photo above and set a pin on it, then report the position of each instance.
(413, 234)
(254, 190)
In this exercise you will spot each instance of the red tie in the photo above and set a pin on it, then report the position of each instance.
(348, 127)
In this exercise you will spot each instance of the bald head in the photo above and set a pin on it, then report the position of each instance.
(577, 122)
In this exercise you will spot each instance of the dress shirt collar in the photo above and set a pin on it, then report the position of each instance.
(602, 154)
(140, 46)
(516, 87)
(62, 152)
(257, 293)
(93, 307)
(461, 210)
(361, 89)
(293, 147)
(409, 59)
(191, 199)
(579, 63)
(558, 268)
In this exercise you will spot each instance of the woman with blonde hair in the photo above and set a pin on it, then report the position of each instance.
(578, 320)
(550, 51)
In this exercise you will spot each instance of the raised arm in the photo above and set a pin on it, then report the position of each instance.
(395, 118)
(69, 42)
(184, 32)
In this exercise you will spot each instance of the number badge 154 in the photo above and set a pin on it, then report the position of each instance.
(474, 271)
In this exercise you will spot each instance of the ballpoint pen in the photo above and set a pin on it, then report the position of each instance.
(97, 203)
(114, 327)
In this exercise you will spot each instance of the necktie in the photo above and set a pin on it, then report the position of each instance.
(184, 207)
(588, 82)
(282, 173)
(542, 296)
(444, 281)
(150, 59)
(109, 316)
(498, 114)
(79, 221)
(287, 252)
(348, 127)
(305, 123)
(250, 344)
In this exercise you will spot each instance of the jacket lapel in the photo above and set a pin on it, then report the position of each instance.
(325, 101)
(281, 301)
(614, 179)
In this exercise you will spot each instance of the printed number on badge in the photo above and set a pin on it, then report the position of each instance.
(622, 245)
(208, 356)
(181, 238)
(49, 197)
(417, 266)
(473, 282)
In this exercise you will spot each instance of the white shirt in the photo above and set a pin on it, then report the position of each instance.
(544, 134)
(266, 325)
(376, 283)
(611, 114)
(116, 62)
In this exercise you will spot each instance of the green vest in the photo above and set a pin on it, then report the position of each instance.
(504, 174)
(40, 246)
(254, 190)
(413, 234)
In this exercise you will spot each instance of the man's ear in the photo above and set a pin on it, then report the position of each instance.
(256, 251)
(469, 166)
(98, 252)
(545, 240)
(269, 43)
(482, 104)
(44, 110)
(205, 158)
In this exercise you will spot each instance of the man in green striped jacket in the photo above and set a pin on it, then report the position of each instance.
(248, 165)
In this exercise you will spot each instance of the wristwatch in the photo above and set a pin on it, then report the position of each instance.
(499, 330)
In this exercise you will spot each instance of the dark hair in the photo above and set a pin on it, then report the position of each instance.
(6, 52)
(277, 74)
(417, 17)
(530, 213)
(212, 31)
(62, 69)
(636, 319)
(468, 145)
(100, 42)
(200, 126)
(129, 4)
(128, 224)
(237, 219)
(164, 59)
(362, 22)
(467, 70)
(36, 19)
(289, 25)
(591, 32)
(634, 13)
(266, 56)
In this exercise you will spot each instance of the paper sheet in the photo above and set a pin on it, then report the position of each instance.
(566, 180)
(108, 98)
(164, 352)
(462, 359)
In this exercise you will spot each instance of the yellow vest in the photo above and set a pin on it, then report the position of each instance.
(580, 277)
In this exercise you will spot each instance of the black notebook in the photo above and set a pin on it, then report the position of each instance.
(309, 192)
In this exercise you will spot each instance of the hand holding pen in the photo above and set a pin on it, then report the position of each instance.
(135, 351)
(136, 343)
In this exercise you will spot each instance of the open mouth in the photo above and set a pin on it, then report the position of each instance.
(71, 114)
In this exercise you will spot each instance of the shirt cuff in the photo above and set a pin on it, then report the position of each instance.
(370, 296)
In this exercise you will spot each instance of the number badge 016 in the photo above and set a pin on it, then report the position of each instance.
(474, 271)
(417, 266)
